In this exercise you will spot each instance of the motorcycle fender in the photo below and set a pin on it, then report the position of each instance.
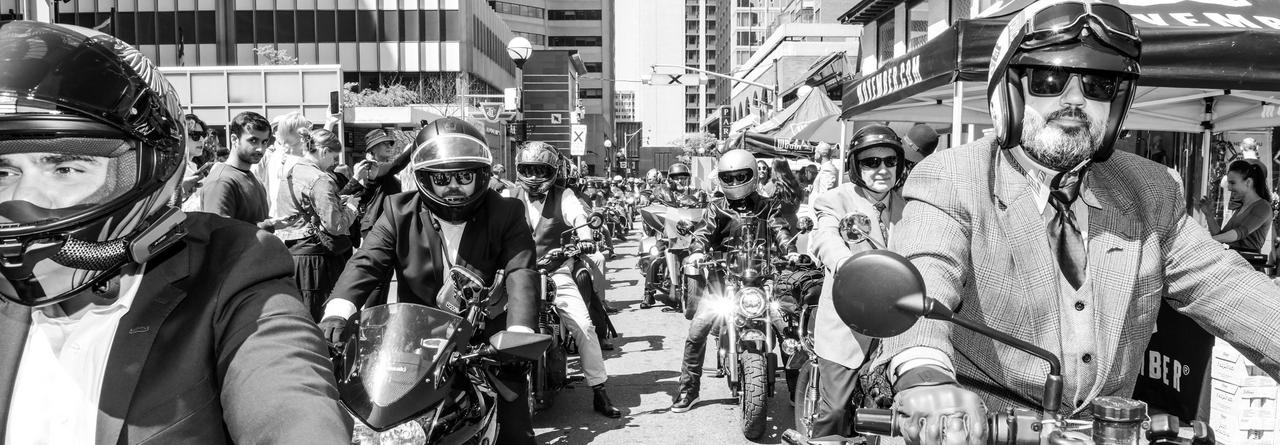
(797, 360)
(756, 346)
(647, 243)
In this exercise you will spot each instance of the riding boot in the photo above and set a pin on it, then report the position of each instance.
(602, 403)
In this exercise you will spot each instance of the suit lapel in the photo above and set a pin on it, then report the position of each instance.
(1114, 247)
(427, 228)
(15, 321)
(156, 298)
(1024, 231)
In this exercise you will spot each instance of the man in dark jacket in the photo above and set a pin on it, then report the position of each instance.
(452, 220)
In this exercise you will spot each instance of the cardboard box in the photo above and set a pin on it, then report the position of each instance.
(1230, 366)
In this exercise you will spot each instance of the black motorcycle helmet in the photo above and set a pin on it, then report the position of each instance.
(449, 145)
(1063, 34)
(73, 92)
(871, 136)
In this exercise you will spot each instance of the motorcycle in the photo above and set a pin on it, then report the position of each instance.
(805, 399)
(748, 310)
(416, 374)
(550, 372)
(617, 218)
(666, 228)
(898, 300)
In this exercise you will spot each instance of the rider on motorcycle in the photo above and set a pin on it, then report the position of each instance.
(874, 164)
(1046, 231)
(676, 193)
(720, 230)
(453, 218)
(551, 210)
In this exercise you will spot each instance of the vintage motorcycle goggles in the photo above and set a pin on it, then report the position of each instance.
(872, 163)
(1050, 82)
(441, 179)
(1063, 22)
(536, 171)
(736, 177)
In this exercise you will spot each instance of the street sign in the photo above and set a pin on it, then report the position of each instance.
(511, 99)
(555, 119)
(676, 79)
(724, 122)
(578, 140)
(492, 112)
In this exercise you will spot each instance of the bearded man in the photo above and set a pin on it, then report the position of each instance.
(1045, 232)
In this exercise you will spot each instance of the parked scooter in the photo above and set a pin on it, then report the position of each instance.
(416, 374)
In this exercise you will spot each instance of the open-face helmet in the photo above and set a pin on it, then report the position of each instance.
(737, 173)
(868, 137)
(679, 176)
(537, 166)
(77, 99)
(1051, 41)
(446, 150)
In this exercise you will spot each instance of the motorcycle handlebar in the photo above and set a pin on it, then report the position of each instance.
(874, 421)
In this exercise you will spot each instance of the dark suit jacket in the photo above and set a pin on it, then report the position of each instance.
(405, 242)
(217, 348)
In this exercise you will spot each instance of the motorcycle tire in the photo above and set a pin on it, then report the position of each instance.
(690, 303)
(753, 398)
(805, 400)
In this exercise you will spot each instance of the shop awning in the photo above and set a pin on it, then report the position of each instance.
(1228, 51)
(775, 138)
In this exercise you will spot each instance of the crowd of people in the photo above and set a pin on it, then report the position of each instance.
(155, 289)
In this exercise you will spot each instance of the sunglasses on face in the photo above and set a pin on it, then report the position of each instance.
(736, 177)
(441, 179)
(195, 135)
(536, 171)
(874, 163)
(1049, 82)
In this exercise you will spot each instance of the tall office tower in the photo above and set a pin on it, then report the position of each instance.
(702, 37)
(650, 33)
(744, 26)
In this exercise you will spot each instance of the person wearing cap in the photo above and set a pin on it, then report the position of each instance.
(922, 138)
(125, 320)
(496, 183)
(1045, 231)
(875, 167)
(451, 219)
(374, 179)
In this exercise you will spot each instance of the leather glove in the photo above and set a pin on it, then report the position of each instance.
(332, 329)
(941, 414)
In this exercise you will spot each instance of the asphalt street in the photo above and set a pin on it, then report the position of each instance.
(644, 371)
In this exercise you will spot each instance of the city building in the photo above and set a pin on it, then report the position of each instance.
(743, 26)
(650, 33)
(702, 36)
(583, 26)
(624, 106)
(376, 42)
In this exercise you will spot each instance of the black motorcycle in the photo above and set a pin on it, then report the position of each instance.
(416, 374)
(898, 300)
(667, 229)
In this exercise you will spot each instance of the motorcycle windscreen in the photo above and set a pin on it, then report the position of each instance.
(399, 347)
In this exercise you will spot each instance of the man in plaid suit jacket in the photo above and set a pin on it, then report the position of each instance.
(1089, 291)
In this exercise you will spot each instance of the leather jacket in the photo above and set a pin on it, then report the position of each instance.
(724, 220)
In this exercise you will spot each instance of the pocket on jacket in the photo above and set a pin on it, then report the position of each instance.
(195, 402)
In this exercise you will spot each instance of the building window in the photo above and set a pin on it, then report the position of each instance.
(520, 10)
(594, 67)
(884, 37)
(536, 39)
(917, 23)
(591, 93)
(573, 14)
(574, 41)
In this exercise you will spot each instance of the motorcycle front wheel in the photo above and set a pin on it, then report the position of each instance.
(753, 398)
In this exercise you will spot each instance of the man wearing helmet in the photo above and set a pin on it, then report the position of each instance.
(551, 210)
(1045, 231)
(676, 193)
(720, 230)
(875, 166)
(122, 319)
(452, 219)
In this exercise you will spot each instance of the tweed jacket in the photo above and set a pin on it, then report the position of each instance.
(833, 339)
(975, 232)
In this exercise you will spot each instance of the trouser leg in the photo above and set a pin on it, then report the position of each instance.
(695, 343)
(573, 310)
(835, 388)
(674, 275)
(584, 280)
(515, 425)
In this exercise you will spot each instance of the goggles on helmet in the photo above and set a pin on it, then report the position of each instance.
(736, 177)
(1065, 21)
(1048, 82)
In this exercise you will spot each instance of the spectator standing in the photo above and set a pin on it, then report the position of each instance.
(317, 221)
(828, 172)
(1247, 229)
(767, 187)
(788, 192)
(374, 178)
(195, 135)
(231, 190)
(281, 157)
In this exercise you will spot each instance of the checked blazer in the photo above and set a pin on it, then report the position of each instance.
(975, 232)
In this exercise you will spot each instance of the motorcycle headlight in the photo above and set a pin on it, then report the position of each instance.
(655, 251)
(751, 301)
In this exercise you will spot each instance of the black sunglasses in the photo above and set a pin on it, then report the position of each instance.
(874, 163)
(736, 177)
(535, 171)
(195, 135)
(1049, 82)
(441, 179)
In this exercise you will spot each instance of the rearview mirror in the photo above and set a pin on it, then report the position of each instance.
(595, 221)
(878, 293)
(854, 227)
(520, 345)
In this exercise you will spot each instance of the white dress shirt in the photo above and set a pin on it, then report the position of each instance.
(59, 381)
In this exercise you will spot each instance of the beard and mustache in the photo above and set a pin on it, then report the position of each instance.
(1061, 148)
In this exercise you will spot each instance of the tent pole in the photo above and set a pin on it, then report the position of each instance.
(844, 141)
(957, 108)
(1205, 156)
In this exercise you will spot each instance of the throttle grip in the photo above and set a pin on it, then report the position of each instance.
(874, 421)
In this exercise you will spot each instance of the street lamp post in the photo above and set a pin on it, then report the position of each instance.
(608, 157)
(519, 49)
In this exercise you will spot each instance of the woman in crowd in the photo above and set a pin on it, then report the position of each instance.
(317, 218)
(1247, 229)
(787, 191)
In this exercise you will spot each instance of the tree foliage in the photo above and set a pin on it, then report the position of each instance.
(696, 144)
(270, 55)
(438, 92)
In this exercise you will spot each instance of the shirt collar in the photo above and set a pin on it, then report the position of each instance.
(1039, 178)
(862, 191)
(129, 284)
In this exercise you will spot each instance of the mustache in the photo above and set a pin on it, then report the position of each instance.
(1070, 113)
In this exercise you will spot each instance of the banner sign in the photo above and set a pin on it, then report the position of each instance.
(919, 70)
